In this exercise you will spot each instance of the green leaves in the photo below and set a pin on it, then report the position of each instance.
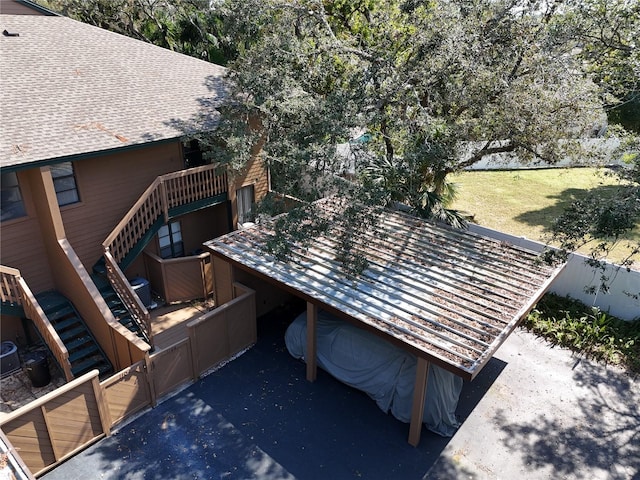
(588, 331)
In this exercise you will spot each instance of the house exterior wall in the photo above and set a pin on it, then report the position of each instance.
(11, 7)
(255, 174)
(22, 245)
(108, 187)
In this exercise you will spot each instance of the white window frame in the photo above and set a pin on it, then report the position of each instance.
(170, 243)
(245, 199)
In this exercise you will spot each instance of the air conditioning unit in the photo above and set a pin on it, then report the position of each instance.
(143, 290)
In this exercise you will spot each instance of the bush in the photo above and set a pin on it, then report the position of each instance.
(569, 323)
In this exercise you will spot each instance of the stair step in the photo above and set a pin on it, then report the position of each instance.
(130, 324)
(73, 333)
(91, 364)
(51, 300)
(61, 315)
(89, 350)
(78, 342)
(115, 304)
(62, 325)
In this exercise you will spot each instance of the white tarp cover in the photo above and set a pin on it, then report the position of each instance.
(382, 370)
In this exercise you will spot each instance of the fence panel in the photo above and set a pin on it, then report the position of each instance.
(57, 425)
(171, 367)
(127, 392)
(221, 333)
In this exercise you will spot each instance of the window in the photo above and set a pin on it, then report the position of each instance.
(192, 154)
(11, 205)
(170, 240)
(64, 182)
(245, 198)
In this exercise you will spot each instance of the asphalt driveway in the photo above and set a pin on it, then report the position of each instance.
(534, 412)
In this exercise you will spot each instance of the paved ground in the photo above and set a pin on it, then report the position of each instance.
(534, 412)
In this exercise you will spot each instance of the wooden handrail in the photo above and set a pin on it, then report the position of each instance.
(16, 290)
(139, 313)
(9, 291)
(165, 192)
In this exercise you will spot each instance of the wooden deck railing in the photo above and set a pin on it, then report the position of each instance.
(166, 192)
(15, 290)
(121, 285)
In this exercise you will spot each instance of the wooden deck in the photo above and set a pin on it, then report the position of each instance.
(169, 322)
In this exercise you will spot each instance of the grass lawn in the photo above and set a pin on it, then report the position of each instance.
(525, 202)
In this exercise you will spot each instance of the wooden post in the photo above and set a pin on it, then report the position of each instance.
(419, 395)
(103, 406)
(312, 317)
(223, 281)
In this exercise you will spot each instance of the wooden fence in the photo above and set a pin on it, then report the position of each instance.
(181, 279)
(67, 420)
(59, 424)
(232, 325)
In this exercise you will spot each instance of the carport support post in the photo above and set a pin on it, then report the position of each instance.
(419, 394)
(312, 317)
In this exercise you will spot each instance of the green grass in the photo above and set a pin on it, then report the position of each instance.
(589, 331)
(526, 202)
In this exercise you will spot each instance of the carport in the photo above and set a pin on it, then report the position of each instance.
(448, 296)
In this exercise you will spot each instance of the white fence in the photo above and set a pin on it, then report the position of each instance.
(577, 277)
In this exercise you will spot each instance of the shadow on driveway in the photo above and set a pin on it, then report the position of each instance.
(258, 417)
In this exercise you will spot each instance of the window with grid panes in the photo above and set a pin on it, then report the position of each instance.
(170, 240)
(11, 204)
(64, 182)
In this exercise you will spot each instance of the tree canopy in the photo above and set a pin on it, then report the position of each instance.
(383, 99)
(433, 86)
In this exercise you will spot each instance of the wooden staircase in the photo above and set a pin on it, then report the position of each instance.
(117, 306)
(167, 197)
(84, 351)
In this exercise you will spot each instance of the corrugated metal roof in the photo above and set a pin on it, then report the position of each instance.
(448, 295)
(68, 89)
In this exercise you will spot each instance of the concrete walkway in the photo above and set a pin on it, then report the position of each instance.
(534, 412)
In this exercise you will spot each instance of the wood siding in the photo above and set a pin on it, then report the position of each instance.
(127, 392)
(11, 7)
(171, 368)
(255, 175)
(203, 225)
(56, 426)
(22, 245)
(181, 279)
(268, 296)
(108, 186)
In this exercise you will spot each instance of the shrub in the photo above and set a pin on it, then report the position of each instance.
(588, 330)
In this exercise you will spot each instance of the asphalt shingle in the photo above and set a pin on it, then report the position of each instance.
(69, 89)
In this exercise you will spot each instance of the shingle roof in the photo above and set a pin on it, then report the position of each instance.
(447, 295)
(68, 89)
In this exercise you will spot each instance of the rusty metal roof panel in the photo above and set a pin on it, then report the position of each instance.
(448, 295)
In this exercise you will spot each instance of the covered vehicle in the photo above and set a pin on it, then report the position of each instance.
(384, 371)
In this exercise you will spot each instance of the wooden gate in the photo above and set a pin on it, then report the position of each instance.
(171, 368)
(127, 392)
